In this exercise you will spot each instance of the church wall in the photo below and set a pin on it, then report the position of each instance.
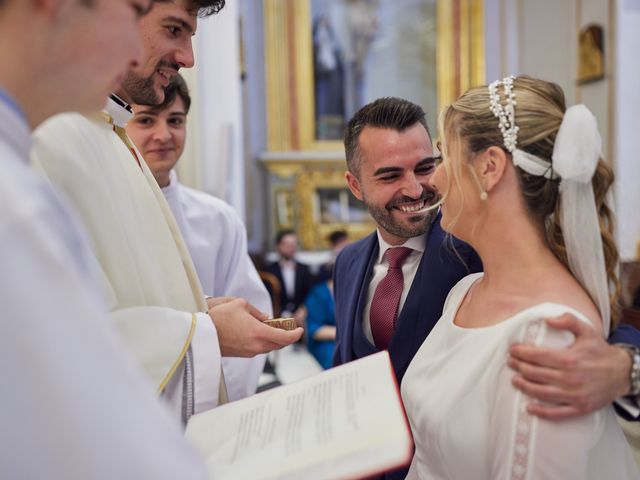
(540, 38)
(627, 106)
(254, 113)
(214, 160)
(221, 107)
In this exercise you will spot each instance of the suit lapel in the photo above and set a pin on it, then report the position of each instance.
(356, 284)
(365, 275)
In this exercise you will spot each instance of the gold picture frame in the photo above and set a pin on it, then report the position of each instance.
(460, 60)
(284, 208)
(313, 228)
(591, 54)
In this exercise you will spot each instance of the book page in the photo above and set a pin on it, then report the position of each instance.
(346, 422)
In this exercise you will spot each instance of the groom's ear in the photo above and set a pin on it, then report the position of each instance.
(354, 185)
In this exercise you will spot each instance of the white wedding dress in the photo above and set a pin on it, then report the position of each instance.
(469, 422)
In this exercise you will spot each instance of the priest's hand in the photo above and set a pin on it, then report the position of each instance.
(241, 332)
(215, 301)
(587, 376)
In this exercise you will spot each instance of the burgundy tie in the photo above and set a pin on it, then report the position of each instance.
(386, 299)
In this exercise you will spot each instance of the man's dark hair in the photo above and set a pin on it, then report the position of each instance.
(337, 236)
(387, 112)
(177, 88)
(202, 8)
(283, 233)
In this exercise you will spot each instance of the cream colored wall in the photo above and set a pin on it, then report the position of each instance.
(627, 121)
(213, 160)
(547, 43)
(598, 96)
(540, 38)
(189, 168)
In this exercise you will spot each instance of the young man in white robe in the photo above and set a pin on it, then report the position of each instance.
(151, 286)
(213, 231)
(75, 405)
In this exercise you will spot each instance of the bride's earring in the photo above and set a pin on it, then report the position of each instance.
(483, 193)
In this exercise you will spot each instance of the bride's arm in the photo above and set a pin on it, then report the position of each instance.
(529, 447)
(588, 376)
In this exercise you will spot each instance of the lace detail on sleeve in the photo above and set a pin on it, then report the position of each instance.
(524, 421)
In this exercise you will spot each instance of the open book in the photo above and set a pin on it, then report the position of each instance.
(347, 422)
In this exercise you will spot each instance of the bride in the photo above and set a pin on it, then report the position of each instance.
(522, 182)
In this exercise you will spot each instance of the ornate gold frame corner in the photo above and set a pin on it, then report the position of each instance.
(313, 233)
(460, 55)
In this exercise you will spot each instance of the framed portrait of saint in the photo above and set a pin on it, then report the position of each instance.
(591, 54)
(325, 59)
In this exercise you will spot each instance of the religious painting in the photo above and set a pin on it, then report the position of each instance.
(365, 49)
(591, 54)
(325, 59)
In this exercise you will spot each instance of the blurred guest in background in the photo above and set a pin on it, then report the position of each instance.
(321, 322)
(295, 277)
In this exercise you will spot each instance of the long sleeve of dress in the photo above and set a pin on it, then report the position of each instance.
(525, 447)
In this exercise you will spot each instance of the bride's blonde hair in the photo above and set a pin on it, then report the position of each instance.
(468, 126)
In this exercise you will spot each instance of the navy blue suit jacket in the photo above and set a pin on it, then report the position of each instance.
(445, 261)
(625, 334)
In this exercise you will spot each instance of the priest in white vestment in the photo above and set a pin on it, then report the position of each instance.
(151, 286)
(213, 231)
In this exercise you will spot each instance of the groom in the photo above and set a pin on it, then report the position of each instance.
(390, 160)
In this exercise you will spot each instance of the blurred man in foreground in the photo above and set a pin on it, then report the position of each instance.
(74, 404)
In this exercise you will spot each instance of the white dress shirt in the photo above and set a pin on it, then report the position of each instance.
(288, 269)
(409, 269)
